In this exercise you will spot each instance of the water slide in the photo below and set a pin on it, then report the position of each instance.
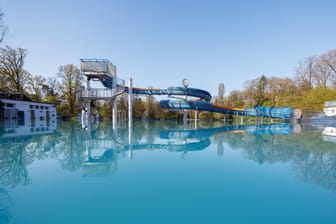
(272, 112)
(201, 101)
(198, 99)
(201, 95)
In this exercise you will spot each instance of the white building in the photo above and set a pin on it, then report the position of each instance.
(330, 108)
(18, 112)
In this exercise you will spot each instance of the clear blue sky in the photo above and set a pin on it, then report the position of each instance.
(159, 43)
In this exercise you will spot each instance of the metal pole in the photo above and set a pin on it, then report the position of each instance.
(130, 118)
(130, 104)
(88, 113)
(196, 119)
(87, 86)
(114, 101)
(185, 113)
(87, 110)
(114, 113)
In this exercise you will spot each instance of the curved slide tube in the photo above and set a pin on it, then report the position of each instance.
(272, 112)
(202, 103)
(171, 91)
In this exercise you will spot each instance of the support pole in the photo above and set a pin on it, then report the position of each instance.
(185, 83)
(88, 113)
(130, 104)
(196, 120)
(114, 101)
(185, 112)
(185, 118)
(87, 86)
(130, 118)
(85, 118)
(114, 113)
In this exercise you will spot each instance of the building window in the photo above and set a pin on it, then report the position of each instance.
(31, 106)
(10, 105)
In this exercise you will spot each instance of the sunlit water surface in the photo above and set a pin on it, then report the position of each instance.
(167, 173)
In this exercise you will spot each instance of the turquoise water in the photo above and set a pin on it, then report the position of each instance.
(167, 173)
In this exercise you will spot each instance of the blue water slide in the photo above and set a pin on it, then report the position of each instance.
(272, 112)
(173, 91)
(198, 105)
(203, 104)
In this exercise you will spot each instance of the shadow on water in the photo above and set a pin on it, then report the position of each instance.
(96, 150)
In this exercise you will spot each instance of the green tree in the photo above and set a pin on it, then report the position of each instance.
(150, 106)
(260, 94)
(235, 99)
(139, 107)
(14, 77)
(70, 86)
(50, 91)
(35, 86)
(106, 110)
(315, 99)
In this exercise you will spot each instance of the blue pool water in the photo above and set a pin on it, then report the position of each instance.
(167, 173)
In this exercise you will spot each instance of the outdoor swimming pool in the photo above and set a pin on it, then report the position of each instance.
(166, 173)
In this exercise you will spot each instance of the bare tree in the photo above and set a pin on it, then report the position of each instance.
(12, 72)
(304, 74)
(70, 85)
(316, 71)
(323, 72)
(3, 27)
(249, 93)
(330, 61)
(280, 89)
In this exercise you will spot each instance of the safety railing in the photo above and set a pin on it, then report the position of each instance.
(101, 93)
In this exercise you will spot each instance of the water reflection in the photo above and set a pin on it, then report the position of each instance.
(96, 151)
(329, 134)
(5, 204)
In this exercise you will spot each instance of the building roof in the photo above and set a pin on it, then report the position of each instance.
(14, 96)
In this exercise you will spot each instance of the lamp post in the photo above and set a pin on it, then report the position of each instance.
(185, 83)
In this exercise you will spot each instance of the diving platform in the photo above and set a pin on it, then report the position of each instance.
(98, 68)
